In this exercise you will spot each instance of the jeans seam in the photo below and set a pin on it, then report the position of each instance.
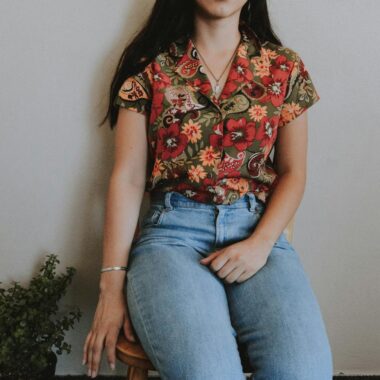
(144, 324)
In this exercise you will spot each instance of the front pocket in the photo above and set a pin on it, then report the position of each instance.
(258, 209)
(153, 216)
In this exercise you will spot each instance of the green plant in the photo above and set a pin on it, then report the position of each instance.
(27, 332)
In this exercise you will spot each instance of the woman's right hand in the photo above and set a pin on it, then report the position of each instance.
(110, 316)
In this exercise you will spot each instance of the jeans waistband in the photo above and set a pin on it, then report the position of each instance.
(172, 199)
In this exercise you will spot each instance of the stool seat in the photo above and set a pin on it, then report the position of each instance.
(132, 353)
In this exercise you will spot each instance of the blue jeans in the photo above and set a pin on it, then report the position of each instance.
(188, 320)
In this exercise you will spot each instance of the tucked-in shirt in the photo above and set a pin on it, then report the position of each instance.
(214, 150)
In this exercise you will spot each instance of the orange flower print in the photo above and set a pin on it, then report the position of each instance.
(196, 173)
(257, 112)
(239, 184)
(261, 66)
(192, 130)
(158, 168)
(268, 54)
(209, 156)
(289, 112)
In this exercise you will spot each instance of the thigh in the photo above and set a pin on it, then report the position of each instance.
(279, 322)
(179, 311)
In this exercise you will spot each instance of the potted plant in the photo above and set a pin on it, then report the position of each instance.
(27, 332)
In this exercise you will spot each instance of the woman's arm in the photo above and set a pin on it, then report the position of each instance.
(290, 162)
(125, 194)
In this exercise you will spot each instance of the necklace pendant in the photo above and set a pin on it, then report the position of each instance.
(216, 88)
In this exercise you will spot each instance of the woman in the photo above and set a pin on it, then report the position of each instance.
(199, 99)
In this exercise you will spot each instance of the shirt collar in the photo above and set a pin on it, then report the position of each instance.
(188, 62)
(184, 45)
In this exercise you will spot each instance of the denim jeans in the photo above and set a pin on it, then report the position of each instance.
(189, 320)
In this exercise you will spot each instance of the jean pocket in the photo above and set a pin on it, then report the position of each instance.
(154, 216)
(258, 209)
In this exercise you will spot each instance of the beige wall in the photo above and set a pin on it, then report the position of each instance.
(56, 62)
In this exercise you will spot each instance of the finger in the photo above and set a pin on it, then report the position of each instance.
(209, 258)
(89, 354)
(110, 345)
(227, 269)
(234, 275)
(218, 262)
(85, 348)
(97, 349)
(127, 328)
(243, 277)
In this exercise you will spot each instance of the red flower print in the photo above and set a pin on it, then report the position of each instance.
(281, 66)
(240, 73)
(276, 87)
(240, 133)
(157, 106)
(240, 70)
(267, 130)
(160, 79)
(171, 142)
(216, 138)
(203, 86)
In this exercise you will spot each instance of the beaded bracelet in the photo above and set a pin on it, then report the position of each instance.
(113, 268)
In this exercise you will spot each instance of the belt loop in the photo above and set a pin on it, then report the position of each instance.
(168, 204)
(252, 201)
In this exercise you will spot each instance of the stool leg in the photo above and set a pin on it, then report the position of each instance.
(135, 373)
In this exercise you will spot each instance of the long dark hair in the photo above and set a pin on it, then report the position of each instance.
(169, 20)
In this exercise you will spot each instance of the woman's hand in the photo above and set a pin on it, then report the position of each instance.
(239, 261)
(110, 315)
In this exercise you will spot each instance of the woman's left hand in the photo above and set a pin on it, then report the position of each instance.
(239, 261)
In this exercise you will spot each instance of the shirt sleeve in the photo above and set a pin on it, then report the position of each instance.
(135, 93)
(300, 95)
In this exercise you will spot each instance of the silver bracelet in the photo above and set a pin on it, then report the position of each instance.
(113, 268)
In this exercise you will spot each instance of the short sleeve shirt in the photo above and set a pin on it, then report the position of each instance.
(216, 150)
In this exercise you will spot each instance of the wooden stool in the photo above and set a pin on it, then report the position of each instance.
(133, 355)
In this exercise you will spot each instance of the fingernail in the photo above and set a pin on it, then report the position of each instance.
(83, 362)
(93, 374)
(89, 372)
(112, 365)
(133, 339)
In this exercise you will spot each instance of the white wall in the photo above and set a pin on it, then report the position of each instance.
(57, 59)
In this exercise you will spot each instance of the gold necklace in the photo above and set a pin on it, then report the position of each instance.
(217, 87)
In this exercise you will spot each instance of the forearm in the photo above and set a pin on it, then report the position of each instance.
(280, 208)
(121, 216)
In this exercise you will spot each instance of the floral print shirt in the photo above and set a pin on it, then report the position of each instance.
(215, 150)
